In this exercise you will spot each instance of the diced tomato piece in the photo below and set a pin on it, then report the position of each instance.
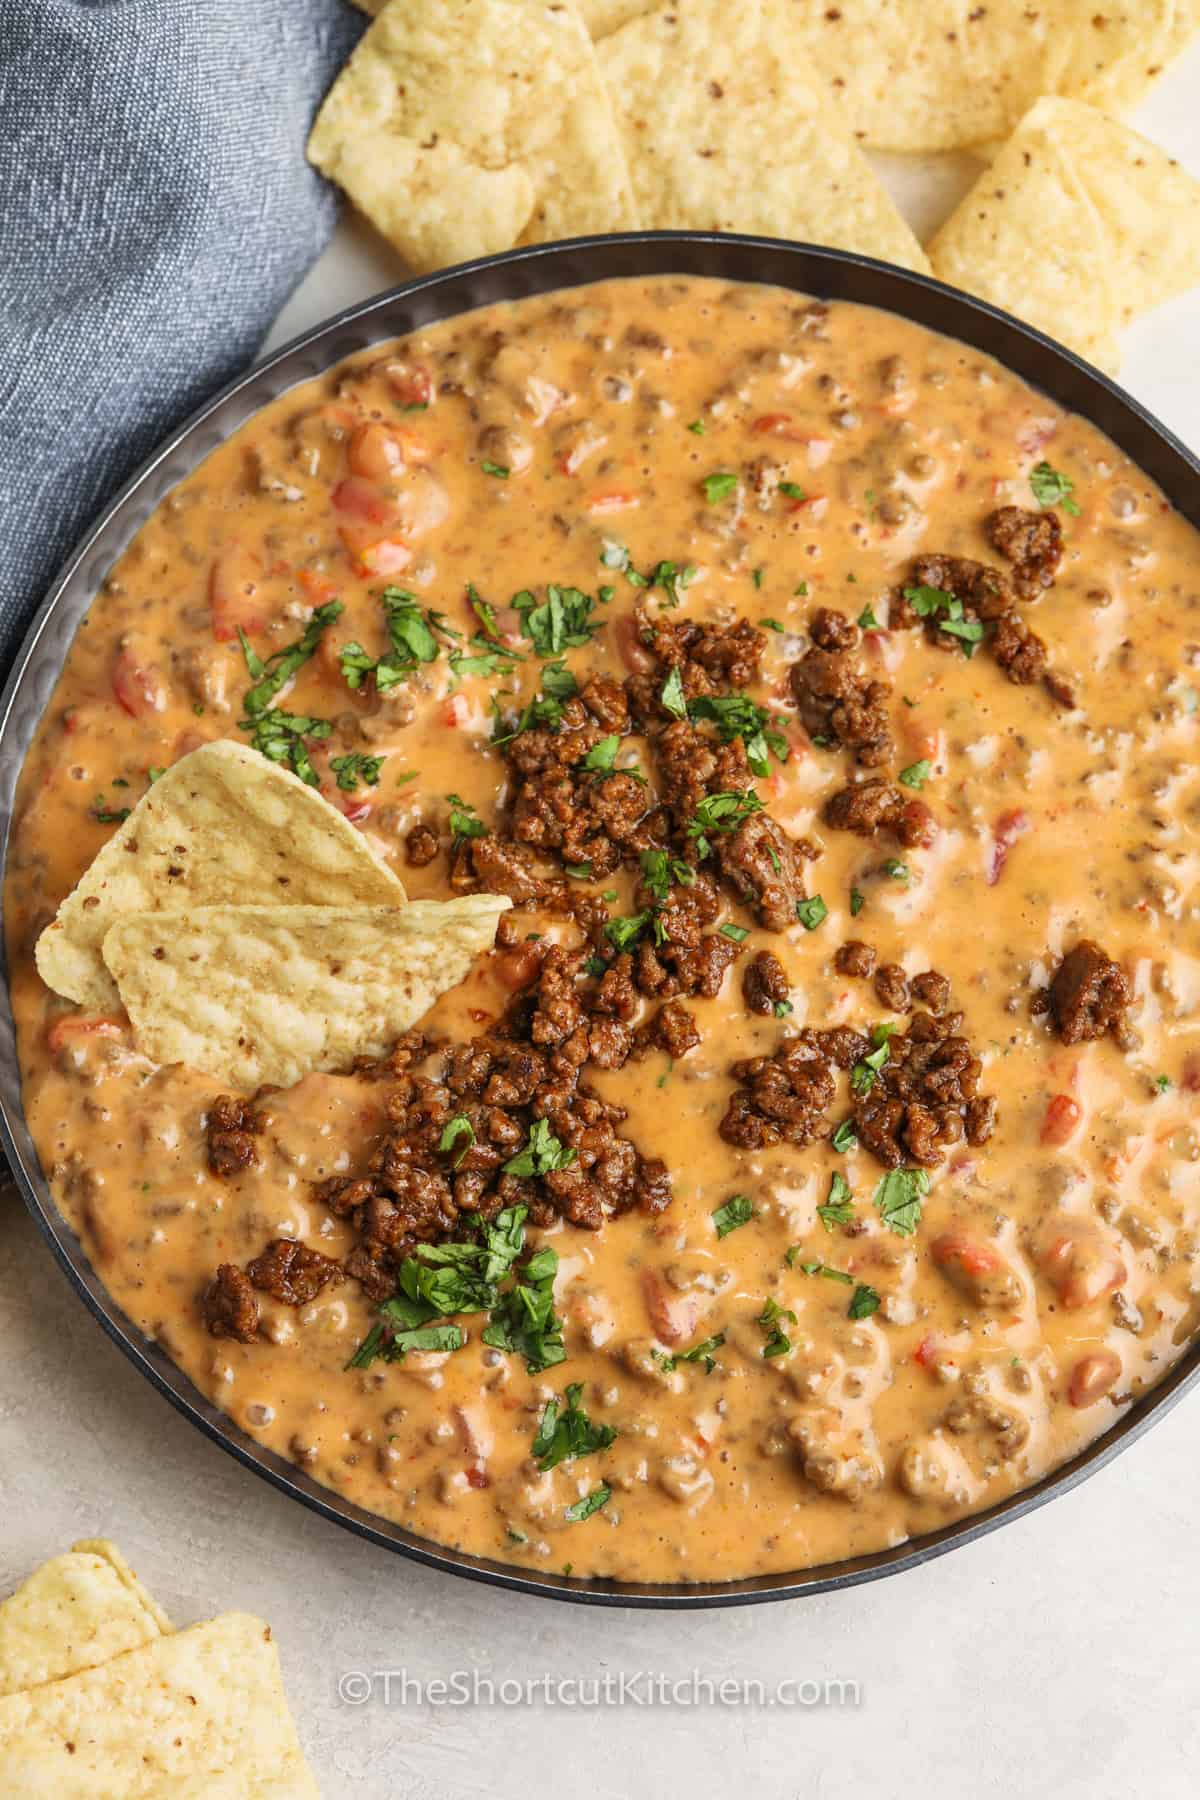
(1082, 1265)
(1062, 1120)
(456, 711)
(71, 1028)
(616, 500)
(354, 810)
(927, 1351)
(478, 1478)
(137, 686)
(363, 500)
(412, 387)
(918, 827)
(233, 594)
(375, 556)
(673, 1316)
(1009, 828)
(976, 1268)
(376, 454)
(629, 647)
(318, 587)
(1093, 1376)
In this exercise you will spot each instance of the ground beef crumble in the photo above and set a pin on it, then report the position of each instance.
(231, 1127)
(839, 705)
(230, 1305)
(1088, 994)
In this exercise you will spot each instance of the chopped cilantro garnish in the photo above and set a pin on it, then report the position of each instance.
(1162, 1083)
(863, 1302)
(823, 1269)
(701, 1353)
(857, 902)
(844, 1136)
(279, 668)
(898, 1199)
(916, 774)
(867, 619)
(497, 469)
(772, 1318)
(559, 622)
(1052, 488)
(602, 757)
(524, 1320)
(863, 1074)
(566, 1432)
(811, 912)
(931, 603)
(737, 716)
(794, 491)
(736, 1211)
(757, 577)
(154, 774)
(464, 821)
(719, 486)
(660, 869)
(542, 1155)
(697, 427)
(356, 767)
(583, 1509)
(578, 871)
(737, 934)
(896, 869)
(394, 1346)
(770, 625)
(106, 815)
(623, 931)
(672, 695)
(801, 589)
(671, 579)
(722, 812)
(457, 1130)
(838, 1208)
(279, 736)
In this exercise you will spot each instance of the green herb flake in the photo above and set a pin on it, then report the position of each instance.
(697, 427)
(464, 821)
(565, 1433)
(562, 621)
(811, 912)
(898, 1199)
(772, 1319)
(279, 736)
(499, 470)
(719, 486)
(838, 1208)
(542, 1154)
(793, 491)
(722, 812)
(1051, 487)
(736, 1211)
(863, 1302)
(737, 934)
(770, 625)
(916, 774)
(867, 619)
(896, 869)
(457, 1130)
(280, 667)
(672, 695)
(857, 901)
(1162, 1083)
(591, 1503)
(845, 1137)
(355, 768)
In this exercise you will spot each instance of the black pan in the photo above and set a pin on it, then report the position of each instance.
(829, 274)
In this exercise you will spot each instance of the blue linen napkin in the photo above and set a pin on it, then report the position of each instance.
(155, 212)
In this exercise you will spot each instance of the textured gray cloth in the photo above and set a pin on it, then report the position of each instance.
(155, 212)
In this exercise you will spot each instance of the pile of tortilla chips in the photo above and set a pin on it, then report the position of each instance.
(249, 930)
(462, 127)
(99, 1696)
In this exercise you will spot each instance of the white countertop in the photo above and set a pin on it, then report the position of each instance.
(1056, 1657)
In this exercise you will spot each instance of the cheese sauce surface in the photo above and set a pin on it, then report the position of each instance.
(910, 1355)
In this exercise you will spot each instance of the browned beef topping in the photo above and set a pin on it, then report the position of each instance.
(839, 704)
(586, 815)
(785, 1098)
(985, 593)
(483, 1104)
(230, 1306)
(764, 983)
(291, 1272)
(672, 1028)
(1020, 652)
(1088, 994)
(231, 1126)
(868, 807)
(932, 989)
(421, 846)
(1031, 541)
(891, 985)
(710, 658)
(925, 1098)
(855, 958)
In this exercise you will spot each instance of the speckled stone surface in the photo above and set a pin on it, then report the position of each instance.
(1056, 1658)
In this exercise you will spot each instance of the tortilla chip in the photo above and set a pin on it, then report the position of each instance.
(1078, 225)
(74, 1612)
(461, 126)
(269, 993)
(940, 74)
(222, 824)
(727, 129)
(199, 1712)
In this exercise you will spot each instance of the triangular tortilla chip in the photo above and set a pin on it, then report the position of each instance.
(459, 126)
(1078, 225)
(199, 1712)
(76, 1611)
(727, 128)
(222, 824)
(260, 994)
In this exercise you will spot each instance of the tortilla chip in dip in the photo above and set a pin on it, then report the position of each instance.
(222, 824)
(940, 74)
(461, 126)
(728, 129)
(197, 1712)
(269, 993)
(75, 1612)
(1078, 225)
